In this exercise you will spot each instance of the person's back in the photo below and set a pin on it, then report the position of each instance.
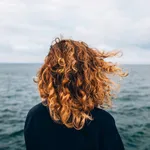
(73, 88)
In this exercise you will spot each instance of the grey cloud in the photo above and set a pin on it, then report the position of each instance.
(5, 48)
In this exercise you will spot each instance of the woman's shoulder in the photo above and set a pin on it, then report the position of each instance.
(35, 113)
(36, 110)
(102, 115)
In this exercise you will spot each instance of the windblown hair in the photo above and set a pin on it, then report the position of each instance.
(74, 79)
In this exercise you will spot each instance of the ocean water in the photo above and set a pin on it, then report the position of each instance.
(18, 93)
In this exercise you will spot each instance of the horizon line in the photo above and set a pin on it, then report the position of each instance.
(43, 62)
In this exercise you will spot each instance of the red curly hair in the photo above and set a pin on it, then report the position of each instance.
(74, 80)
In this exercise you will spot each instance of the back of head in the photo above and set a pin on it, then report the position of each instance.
(74, 80)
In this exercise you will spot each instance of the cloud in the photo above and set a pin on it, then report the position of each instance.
(28, 27)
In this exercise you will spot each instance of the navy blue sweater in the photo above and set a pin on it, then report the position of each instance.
(42, 133)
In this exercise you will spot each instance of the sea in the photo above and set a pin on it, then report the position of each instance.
(131, 108)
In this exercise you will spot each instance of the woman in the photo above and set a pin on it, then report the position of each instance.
(74, 87)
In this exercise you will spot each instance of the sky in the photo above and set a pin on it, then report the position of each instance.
(27, 27)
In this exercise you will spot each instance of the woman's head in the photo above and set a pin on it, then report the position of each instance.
(74, 79)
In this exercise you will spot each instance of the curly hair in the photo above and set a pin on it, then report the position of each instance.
(74, 80)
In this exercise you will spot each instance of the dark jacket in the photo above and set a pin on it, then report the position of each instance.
(42, 133)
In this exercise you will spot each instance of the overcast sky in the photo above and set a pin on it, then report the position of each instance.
(27, 27)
